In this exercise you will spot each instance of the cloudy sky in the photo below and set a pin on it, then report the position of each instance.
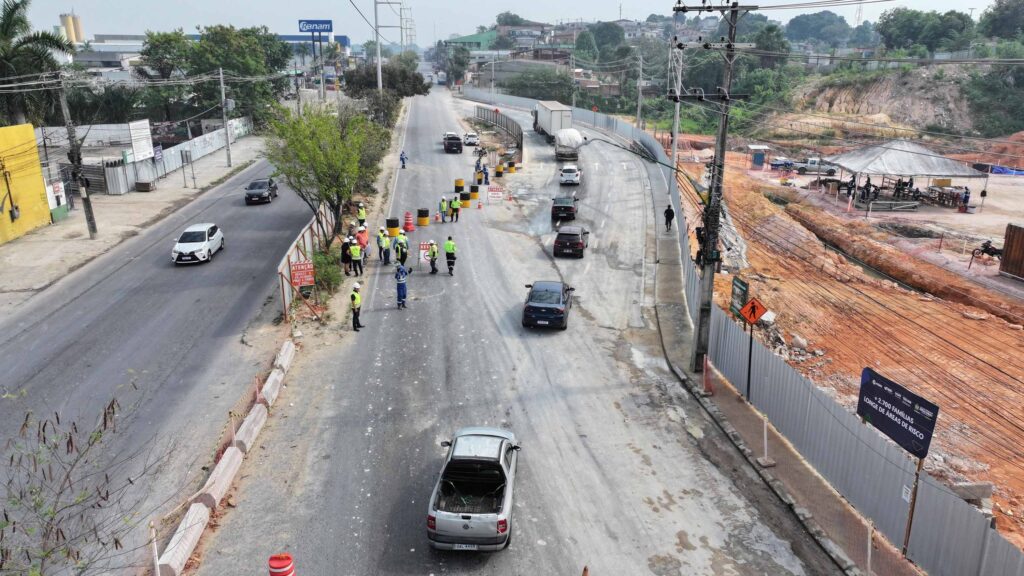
(434, 18)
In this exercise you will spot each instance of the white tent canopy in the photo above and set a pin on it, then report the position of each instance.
(902, 158)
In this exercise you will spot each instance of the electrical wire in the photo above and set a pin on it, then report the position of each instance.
(376, 31)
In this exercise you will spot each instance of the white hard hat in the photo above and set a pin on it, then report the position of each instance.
(382, 228)
(444, 197)
(402, 232)
(360, 203)
(355, 286)
(361, 228)
(432, 242)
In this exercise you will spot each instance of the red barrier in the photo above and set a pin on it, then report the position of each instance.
(409, 226)
(281, 565)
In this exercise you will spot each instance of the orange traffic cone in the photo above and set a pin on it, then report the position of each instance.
(586, 571)
(437, 216)
(281, 565)
(479, 205)
(409, 226)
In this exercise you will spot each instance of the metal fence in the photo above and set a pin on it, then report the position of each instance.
(302, 249)
(949, 536)
(510, 126)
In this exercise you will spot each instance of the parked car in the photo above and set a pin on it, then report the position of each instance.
(471, 139)
(781, 163)
(198, 243)
(453, 143)
(471, 505)
(548, 304)
(564, 208)
(814, 166)
(262, 190)
(447, 135)
(570, 174)
(571, 241)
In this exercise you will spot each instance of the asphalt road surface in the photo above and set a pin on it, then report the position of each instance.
(616, 471)
(166, 341)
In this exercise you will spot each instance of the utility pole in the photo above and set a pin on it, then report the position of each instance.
(376, 33)
(224, 116)
(75, 156)
(709, 255)
(298, 97)
(572, 73)
(676, 59)
(639, 88)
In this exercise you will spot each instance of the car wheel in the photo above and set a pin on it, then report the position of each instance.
(222, 243)
(801, 171)
(209, 256)
(508, 541)
(565, 324)
(831, 172)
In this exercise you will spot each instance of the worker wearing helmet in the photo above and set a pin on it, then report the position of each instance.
(383, 246)
(432, 256)
(356, 302)
(442, 207)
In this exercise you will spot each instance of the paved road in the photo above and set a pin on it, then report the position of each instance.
(615, 470)
(166, 341)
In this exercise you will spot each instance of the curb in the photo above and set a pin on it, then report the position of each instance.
(191, 528)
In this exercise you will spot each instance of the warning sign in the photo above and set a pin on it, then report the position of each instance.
(495, 193)
(740, 289)
(753, 310)
(425, 251)
(303, 274)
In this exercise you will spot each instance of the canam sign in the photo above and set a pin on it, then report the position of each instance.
(316, 26)
(903, 416)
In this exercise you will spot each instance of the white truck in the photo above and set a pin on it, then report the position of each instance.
(567, 144)
(814, 166)
(549, 117)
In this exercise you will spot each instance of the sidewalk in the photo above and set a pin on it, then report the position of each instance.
(38, 259)
(832, 521)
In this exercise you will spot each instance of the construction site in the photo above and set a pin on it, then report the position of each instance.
(895, 292)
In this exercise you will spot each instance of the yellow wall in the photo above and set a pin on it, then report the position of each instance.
(19, 160)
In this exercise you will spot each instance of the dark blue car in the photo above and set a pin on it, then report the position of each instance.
(548, 305)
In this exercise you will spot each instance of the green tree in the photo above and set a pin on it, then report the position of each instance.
(543, 84)
(1003, 19)
(398, 79)
(824, 26)
(502, 43)
(164, 56)
(586, 47)
(407, 60)
(771, 39)
(457, 63)
(864, 35)
(302, 50)
(370, 46)
(24, 52)
(607, 36)
(747, 26)
(510, 19)
(481, 29)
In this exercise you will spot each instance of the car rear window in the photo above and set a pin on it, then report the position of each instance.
(568, 170)
(563, 201)
(567, 238)
(545, 297)
(258, 185)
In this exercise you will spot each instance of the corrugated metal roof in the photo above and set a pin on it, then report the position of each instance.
(902, 158)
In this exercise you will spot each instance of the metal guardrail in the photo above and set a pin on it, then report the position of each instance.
(508, 125)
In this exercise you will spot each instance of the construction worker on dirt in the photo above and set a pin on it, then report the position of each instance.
(383, 246)
(401, 247)
(456, 205)
(361, 214)
(401, 275)
(357, 258)
(442, 207)
(356, 302)
(449, 254)
(346, 255)
(432, 256)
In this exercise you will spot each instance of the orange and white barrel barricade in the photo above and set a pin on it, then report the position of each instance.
(281, 565)
(409, 226)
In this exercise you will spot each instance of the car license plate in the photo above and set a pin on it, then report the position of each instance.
(183, 258)
(542, 322)
(464, 547)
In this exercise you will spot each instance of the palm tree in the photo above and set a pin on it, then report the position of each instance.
(24, 52)
(302, 50)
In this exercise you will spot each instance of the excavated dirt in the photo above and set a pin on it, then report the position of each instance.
(1008, 151)
(966, 359)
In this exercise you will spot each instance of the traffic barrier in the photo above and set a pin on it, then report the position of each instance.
(245, 438)
(437, 216)
(465, 200)
(284, 358)
(479, 205)
(423, 216)
(272, 387)
(511, 167)
(460, 185)
(183, 542)
(409, 226)
(474, 192)
(281, 565)
(392, 225)
(221, 478)
(498, 170)
(479, 177)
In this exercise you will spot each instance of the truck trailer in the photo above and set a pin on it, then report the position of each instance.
(549, 117)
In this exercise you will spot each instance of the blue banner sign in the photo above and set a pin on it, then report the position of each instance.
(316, 26)
(903, 416)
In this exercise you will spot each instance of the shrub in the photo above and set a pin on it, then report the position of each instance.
(328, 270)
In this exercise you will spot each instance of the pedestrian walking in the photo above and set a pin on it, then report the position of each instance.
(432, 256)
(449, 254)
(401, 247)
(442, 207)
(403, 158)
(346, 255)
(383, 246)
(401, 275)
(356, 302)
(361, 214)
(456, 205)
(357, 258)
(670, 214)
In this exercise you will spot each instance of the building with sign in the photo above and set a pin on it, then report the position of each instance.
(23, 196)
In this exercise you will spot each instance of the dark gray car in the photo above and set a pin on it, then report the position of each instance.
(262, 190)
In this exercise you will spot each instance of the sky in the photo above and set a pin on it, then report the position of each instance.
(434, 19)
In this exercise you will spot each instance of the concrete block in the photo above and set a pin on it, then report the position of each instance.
(221, 479)
(272, 387)
(285, 356)
(973, 492)
(245, 438)
(183, 542)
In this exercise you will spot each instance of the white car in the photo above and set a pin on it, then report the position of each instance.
(198, 243)
(471, 139)
(570, 174)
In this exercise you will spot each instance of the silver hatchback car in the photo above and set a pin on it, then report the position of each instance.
(471, 506)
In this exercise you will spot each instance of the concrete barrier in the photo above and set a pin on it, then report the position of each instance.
(220, 480)
(272, 387)
(184, 540)
(285, 356)
(245, 438)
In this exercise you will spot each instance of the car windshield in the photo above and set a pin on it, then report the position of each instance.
(192, 236)
(545, 296)
(568, 170)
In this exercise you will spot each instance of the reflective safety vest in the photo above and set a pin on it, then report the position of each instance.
(400, 275)
(456, 204)
(361, 214)
(382, 240)
(432, 252)
(357, 300)
(356, 251)
(449, 247)
(444, 205)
